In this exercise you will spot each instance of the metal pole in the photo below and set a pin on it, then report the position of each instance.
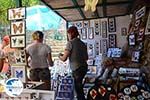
(18, 3)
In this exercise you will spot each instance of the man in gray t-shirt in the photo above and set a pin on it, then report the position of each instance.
(41, 59)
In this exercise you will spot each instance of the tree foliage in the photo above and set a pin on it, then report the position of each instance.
(6, 4)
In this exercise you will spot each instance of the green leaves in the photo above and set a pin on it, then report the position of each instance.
(6, 4)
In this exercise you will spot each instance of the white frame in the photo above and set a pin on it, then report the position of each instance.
(21, 69)
(123, 31)
(79, 24)
(140, 13)
(104, 29)
(17, 55)
(97, 27)
(17, 39)
(86, 24)
(84, 33)
(136, 56)
(17, 27)
(20, 13)
(90, 33)
(112, 24)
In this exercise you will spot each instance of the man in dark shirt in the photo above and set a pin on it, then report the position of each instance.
(76, 51)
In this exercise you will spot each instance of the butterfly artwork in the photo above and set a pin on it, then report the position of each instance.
(111, 24)
(17, 58)
(17, 41)
(17, 13)
(18, 27)
(18, 72)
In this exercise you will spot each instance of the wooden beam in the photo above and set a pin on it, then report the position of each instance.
(101, 5)
(79, 9)
(100, 17)
(104, 8)
(52, 9)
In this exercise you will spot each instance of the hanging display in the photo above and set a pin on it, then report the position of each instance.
(141, 34)
(79, 24)
(136, 56)
(83, 33)
(97, 47)
(123, 31)
(90, 33)
(112, 40)
(131, 39)
(17, 58)
(112, 24)
(90, 48)
(97, 27)
(17, 27)
(16, 13)
(104, 46)
(86, 24)
(104, 29)
(19, 72)
(17, 41)
(140, 13)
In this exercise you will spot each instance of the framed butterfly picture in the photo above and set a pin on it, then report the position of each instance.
(19, 72)
(17, 58)
(17, 27)
(17, 41)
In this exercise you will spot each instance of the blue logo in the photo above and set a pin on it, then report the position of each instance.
(13, 87)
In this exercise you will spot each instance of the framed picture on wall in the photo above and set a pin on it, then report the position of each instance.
(17, 27)
(19, 72)
(104, 29)
(123, 31)
(140, 13)
(86, 24)
(112, 40)
(17, 58)
(112, 24)
(16, 13)
(83, 33)
(79, 24)
(90, 48)
(141, 34)
(131, 39)
(97, 48)
(90, 33)
(135, 56)
(17, 41)
(97, 27)
(104, 46)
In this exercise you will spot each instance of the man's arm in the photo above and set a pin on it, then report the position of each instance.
(64, 56)
(50, 59)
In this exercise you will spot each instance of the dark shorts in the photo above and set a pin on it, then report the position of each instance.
(39, 74)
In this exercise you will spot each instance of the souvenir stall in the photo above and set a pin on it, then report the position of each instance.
(118, 56)
(118, 64)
